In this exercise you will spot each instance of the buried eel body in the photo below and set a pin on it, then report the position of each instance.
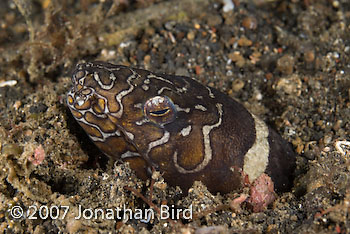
(185, 130)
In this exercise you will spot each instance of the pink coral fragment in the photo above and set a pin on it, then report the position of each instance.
(38, 157)
(261, 193)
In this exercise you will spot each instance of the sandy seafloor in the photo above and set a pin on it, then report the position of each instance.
(287, 61)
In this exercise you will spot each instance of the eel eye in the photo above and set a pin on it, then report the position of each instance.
(160, 109)
(159, 112)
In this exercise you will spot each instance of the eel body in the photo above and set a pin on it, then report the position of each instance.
(180, 127)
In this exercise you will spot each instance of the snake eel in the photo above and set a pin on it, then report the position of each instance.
(187, 131)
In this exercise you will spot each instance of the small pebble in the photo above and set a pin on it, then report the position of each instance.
(17, 104)
(269, 76)
(290, 85)
(28, 133)
(38, 108)
(147, 59)
(191, 35)
(309, 56)
(8, 83)
(11, 149)
(237, 85)
(160, 185)
(155, 175)
(326, 149)
(243, 41)
(228, 5)
(337, 125)
(285, 64)
(335, 4)
(255, 57)
(198, 69)
(237, 58)
(211, 230)
(10, 18)
(197, 26)
(181, 72)
(327, 139)
(250, 22)
(214, 20)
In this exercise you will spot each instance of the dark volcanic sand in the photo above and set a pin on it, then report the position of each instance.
(287, 61)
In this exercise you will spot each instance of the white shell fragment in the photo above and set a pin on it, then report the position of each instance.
(8, 83)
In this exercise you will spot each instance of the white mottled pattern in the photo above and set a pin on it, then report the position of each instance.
(129, 134)
(210, 93)
(142, 121)
(138, 105)
(106, 87)
(161, 90)
(164, 139)
(123, 94)
(129, 154)
(186, 131)
(152, 76)
(178, 108)
(200, 107)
